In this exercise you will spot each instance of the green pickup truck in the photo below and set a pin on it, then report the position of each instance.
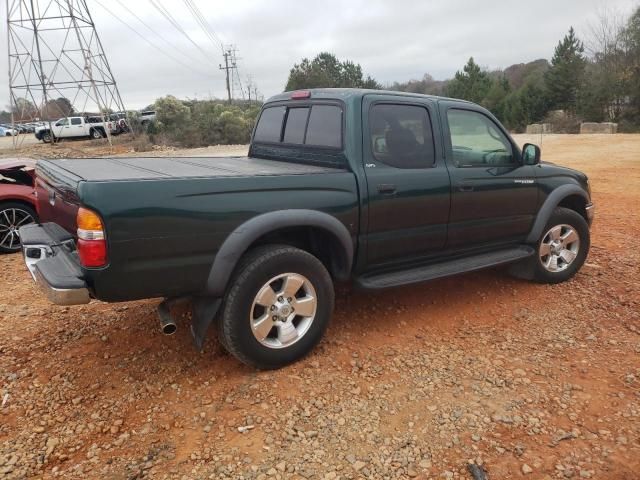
(380, 189)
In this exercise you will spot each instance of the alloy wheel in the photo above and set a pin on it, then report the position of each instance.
(559, 248)
(283, 310)
(11, 219)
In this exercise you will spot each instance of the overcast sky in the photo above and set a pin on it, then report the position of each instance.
(391, 39)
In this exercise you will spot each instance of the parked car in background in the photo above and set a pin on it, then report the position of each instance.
(75, 127)
(7, 131)
(147, 117)
(17, 200)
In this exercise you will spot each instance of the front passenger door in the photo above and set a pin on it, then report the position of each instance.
(61, 128)
(493, 195)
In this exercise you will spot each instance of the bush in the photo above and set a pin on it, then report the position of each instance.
(141, 143)
(201, 123)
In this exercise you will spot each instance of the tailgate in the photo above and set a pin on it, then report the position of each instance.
(57, 195)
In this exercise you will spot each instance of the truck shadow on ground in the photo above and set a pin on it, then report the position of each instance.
(364, 321)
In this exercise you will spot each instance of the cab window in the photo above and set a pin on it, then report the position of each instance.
(269, 128)
(476, 141)
(61, 122)
(401, 136)
(76, 121)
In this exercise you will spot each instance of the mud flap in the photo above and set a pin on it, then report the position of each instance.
(203, 312)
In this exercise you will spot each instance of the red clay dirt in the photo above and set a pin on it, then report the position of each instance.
(529, 381)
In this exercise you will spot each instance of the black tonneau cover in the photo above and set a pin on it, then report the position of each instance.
(150, 168)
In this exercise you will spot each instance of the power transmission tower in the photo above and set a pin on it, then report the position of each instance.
(57, 65)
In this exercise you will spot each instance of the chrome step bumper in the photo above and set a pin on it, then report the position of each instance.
(50, 256)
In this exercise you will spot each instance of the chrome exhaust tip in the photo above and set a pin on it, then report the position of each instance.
(168, 326)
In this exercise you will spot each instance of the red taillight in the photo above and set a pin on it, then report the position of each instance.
(92, 246)
(92, 253)
(300, 94)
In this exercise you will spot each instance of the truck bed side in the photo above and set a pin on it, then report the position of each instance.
(165, 223)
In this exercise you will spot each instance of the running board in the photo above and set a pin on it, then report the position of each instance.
(444, 269)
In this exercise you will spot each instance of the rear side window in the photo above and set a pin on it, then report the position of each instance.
(401, 136)
(296, 125)
(76, 121)
(269, 127)
(325, 126)
(315, 126)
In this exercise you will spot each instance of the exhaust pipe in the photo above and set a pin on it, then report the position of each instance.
(167, 323)
(168, 326)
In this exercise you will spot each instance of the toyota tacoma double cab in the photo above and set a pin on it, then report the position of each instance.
(379, 189)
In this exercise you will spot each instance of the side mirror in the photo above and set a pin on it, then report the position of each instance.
(530, 154)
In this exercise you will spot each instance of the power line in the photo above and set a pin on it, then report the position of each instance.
(189, 67)
(202, 21)
(166, 14)
(177, 49)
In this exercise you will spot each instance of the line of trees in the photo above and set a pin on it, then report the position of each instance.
(24, 110)
(598, 82)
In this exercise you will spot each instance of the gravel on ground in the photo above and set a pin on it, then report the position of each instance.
(521, 380)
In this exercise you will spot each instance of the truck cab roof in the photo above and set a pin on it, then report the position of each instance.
(346, 94)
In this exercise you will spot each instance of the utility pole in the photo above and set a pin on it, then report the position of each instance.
(227, 68)
(249, 84)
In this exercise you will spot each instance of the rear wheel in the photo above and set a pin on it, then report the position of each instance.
(277, 308)
(12, 217)
(96, 134)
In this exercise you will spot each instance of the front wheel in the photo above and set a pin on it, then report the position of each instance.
(277, 308)
(561, 250)
(47, 137)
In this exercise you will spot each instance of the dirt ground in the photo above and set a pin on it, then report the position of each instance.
(529, 381)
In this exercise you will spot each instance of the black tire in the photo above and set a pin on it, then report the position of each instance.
(47, 137)
(255, 271)
(8, 244)
(534, 268)
(95, 134)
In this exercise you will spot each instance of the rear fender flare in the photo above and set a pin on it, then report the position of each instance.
(549, 205)
(239, 241)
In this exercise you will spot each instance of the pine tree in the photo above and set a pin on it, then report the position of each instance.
(564, 79)
(326, 71)
(471, 84)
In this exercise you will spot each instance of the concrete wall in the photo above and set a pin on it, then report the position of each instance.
(538, 128)
(592, 127)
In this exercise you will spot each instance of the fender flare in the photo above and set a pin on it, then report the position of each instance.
(552, 201)
(238, 241)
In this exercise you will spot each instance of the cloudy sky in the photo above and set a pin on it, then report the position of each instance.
(391, 39)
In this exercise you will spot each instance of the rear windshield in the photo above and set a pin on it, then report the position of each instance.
(310, 125)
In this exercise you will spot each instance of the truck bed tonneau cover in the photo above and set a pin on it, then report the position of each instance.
(156, 168)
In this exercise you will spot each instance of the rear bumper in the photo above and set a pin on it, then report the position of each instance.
(49, 253)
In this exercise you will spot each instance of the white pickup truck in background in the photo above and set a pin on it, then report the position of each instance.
(75, 127)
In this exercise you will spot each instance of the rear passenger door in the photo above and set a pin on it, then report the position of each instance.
(407, 179)
(76, 128)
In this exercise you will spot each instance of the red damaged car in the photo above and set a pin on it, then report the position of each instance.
(17, 200)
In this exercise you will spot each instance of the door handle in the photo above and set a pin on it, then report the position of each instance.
(386, 188)
(465, 187)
